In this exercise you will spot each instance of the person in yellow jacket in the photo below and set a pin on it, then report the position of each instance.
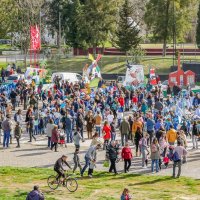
(136, 124)
(171, 136)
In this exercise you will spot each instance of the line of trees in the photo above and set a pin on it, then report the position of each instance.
(92, 23)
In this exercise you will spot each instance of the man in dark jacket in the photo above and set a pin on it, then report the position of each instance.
(124, 130)
(58, 167)
(13, 95)
(68, 127)
(35, 194)
(112, 153)
(176, 89)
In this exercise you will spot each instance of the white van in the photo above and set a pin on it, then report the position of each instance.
(67, 76)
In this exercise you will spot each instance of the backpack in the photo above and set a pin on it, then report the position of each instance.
(154, 148)
(176, 157)
(15, 117)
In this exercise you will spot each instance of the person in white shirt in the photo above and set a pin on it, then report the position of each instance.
(110, 117)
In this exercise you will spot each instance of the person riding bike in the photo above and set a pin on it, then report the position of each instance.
(58, 167)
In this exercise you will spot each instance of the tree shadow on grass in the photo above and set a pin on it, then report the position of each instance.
(33, 149)
(32, 154)
(163, 179)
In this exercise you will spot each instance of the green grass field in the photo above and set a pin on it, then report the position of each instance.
(16, 182)
(115, 64)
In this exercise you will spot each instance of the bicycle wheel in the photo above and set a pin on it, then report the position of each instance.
(52, 182)
(71, 184)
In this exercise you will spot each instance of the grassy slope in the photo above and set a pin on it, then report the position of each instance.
(15, 183)
(116, 64)
(110, 64)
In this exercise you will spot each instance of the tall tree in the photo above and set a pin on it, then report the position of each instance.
(198, 29)
(128, 30)
(166, 17)
(70, 14)
(97, 20)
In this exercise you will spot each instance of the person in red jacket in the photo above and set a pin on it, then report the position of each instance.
(127, 156)
(134, 99)
(106, 134)
(121, 101)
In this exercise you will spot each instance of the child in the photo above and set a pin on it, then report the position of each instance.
(41, 125)
(91, 168)
(62, 137)
(166, 161)
(17, 134)
(77, 138)
(125, 195)
(36, 122)
(76, 161)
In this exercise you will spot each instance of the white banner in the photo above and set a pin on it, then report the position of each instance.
(134, 75)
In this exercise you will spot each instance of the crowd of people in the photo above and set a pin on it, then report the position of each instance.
(114, 118)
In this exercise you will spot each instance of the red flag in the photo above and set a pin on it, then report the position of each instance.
(35, 38)
(99, 56)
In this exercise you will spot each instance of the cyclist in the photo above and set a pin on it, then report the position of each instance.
(58, 167)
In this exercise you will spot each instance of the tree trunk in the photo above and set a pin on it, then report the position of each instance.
(166, 28)
(164, 47)
(94, 51)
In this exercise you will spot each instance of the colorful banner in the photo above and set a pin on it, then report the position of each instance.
(152, 76)
(134, 75)
(35, 38)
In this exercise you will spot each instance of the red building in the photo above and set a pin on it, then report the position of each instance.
(189, 78)
(176, 77)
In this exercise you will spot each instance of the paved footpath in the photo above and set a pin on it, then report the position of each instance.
(36, 154)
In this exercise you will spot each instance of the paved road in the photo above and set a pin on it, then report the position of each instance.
(36, 154)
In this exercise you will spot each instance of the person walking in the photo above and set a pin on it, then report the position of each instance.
(30, 128)
(91, 154)
(13, 96)
(76, 161)
(106, 134)
(89, 123)
(138, 137)
(178, 153)
(80, 122)
(112, 154)
(150, 129)
(7, 128)
(98, 121)
(195, 135)
(143, 147)
(77, 138)
(18, 116)
(18, 133)
(155, 155)
(127, 156)
(171, 135)
(49, 129)
(68, 128)
(124, 130)
(55, 138)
